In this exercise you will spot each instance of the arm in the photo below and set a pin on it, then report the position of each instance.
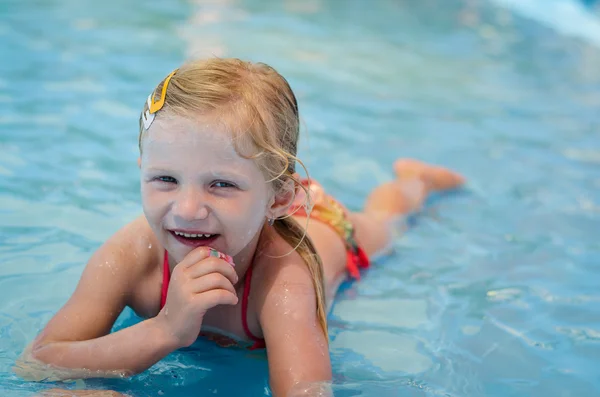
(123, 353)
(297, 348)
(77, 342)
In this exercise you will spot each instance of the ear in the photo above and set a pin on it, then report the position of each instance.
(284, 198)
(139, 162)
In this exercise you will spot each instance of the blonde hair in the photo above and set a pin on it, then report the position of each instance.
(258, 104)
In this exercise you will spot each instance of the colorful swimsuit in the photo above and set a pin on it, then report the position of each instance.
(329, 211)
(221, 340)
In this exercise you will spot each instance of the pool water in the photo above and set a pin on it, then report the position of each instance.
(493, 291)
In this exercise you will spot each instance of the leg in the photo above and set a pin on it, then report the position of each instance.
(406, 194)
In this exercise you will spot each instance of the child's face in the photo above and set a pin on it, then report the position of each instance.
(194, 182)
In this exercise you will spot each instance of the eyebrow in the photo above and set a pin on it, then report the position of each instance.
(229, 175)
(215, 173)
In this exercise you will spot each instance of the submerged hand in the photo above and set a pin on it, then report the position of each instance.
(198, 283)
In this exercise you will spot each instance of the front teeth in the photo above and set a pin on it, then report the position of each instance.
(187, 235)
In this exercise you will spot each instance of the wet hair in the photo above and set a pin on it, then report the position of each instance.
(257, 105)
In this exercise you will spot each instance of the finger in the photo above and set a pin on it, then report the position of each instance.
(209, 282)
(215, 297)
(201, 253)
(212, 265)
(196, 255)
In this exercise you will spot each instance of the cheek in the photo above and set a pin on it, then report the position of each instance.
(151, 202)
(146, 194)
(247, 216)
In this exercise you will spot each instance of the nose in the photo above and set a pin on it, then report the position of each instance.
(190, 205)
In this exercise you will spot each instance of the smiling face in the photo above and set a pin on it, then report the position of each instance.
(197, 190)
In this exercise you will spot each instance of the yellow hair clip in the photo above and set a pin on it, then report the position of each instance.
(156, 106)
(153, 107)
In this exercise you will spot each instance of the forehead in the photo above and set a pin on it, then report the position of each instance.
(198, 147)
(208, 134)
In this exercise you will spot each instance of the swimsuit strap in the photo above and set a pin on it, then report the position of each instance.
(166, 280)
(259, 343)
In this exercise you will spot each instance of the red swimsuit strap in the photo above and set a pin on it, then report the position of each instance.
(166, 279)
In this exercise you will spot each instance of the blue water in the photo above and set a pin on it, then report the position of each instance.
(493, 291)
(568, 17)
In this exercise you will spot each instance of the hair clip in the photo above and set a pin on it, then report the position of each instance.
(152, 106)
(148, 117)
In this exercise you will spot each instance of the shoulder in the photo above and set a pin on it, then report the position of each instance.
(279, 268)
(134, 246)
(128, 257)
(282, 284)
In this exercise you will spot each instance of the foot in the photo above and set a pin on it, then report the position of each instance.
(436, 178)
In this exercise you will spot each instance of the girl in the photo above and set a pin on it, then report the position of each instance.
(232, 246)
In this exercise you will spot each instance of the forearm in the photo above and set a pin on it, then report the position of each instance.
(123, 353)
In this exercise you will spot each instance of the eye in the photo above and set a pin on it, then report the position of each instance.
(223, 184)
(166, 179)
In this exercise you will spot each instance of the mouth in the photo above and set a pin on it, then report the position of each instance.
(194, 239)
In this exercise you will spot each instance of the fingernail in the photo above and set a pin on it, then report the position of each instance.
(229, 259)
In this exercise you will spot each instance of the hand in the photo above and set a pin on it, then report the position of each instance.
(201, 281)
